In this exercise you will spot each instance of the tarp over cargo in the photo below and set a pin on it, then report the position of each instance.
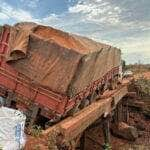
(62, 62)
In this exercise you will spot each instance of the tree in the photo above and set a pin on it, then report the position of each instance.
(123, 65)
(0, 29)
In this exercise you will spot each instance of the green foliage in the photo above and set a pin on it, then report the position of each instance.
(123, 65)
(0, 29)
(143, 85)
(36, 131)
(107, 146)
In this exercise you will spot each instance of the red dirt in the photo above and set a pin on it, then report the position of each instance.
(59, 37)
(77, 43)
(36, 143)
(118, 143)
(144, 74)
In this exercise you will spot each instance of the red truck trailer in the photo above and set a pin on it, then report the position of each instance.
(47, 72)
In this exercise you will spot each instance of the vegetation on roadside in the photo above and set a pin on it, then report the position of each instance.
(138, 68)
(0, 29)
(143, 85)
(36, 130)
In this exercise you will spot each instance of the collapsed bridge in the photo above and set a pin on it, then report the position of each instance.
(69, 132)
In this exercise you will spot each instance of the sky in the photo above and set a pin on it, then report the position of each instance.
(121, 23)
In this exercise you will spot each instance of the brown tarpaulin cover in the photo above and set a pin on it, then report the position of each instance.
(59, 61)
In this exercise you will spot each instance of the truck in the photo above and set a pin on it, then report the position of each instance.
(50, 74)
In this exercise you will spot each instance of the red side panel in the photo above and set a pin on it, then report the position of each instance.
(13, 81)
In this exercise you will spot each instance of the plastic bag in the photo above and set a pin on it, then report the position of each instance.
(12, 124)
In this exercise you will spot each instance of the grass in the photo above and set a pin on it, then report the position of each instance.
(143, 85)
(36, 130)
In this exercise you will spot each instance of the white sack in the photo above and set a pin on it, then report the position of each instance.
(12, 124)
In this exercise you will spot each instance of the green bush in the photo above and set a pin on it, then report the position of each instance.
(36, 131)
(0, 29)
(143, 85)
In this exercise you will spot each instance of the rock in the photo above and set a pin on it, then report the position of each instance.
(125, 131)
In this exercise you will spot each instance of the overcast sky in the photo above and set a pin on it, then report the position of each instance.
(121, 23)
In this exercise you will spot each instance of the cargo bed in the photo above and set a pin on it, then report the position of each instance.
(19, 87)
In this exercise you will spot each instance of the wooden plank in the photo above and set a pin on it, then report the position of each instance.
(73, 126)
